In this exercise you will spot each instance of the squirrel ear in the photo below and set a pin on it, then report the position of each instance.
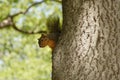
(44, 35)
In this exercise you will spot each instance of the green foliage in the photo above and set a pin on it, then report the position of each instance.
(20, 56)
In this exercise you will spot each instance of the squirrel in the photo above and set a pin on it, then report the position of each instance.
(51, 37)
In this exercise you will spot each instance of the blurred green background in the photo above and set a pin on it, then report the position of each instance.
(20, 56)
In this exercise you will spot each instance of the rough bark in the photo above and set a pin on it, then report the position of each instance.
(89, 46)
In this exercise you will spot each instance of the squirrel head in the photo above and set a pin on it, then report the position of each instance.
(44, 40)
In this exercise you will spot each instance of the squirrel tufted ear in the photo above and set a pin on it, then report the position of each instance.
(44, 35)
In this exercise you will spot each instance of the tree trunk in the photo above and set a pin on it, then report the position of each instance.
(89, 46)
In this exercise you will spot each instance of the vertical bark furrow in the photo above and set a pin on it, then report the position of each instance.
(91, 41)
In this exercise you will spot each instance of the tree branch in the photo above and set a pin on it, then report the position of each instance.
(22, 31)
(34, 4)
(27, 32)
(6, 23)
(9, 20)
